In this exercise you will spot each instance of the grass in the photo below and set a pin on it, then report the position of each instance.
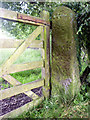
(27, 76)
(54, 107)
(28, 55)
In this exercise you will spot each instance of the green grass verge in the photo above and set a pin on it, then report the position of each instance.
(28, 55)
(27, 76)
(54, 108)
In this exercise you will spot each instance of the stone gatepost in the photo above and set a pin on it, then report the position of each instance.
(65, 71)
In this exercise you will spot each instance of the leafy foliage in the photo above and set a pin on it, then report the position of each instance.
(82, 16)
(54, 108)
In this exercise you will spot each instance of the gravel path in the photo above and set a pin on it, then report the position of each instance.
(7, 105)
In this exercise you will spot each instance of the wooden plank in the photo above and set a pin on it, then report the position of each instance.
(47, 62)
(14, 82)
(20, 50)
(46, 36)
(7, 43)
(20, 89)
(33, 19)
(22, 67)
(36, 44)
(47, 55)
(15, 113)
(12, 43)
(11, 80)
(31, 95)
(18, 17)
(43, 54)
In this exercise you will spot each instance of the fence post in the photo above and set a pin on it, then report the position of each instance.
(45, 36)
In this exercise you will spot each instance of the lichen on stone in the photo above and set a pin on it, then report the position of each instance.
(64, 59)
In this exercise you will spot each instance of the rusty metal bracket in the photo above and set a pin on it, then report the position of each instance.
(33, 19)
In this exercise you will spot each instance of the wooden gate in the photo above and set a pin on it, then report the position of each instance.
(8, 66)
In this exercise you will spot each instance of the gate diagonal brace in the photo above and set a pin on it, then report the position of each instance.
(14, 82)
(20, 50)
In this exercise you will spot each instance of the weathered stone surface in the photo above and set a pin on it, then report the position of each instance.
(65, 70)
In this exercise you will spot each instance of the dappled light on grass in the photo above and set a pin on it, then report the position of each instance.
(27, 76)
(4, 84)
(28, 55)
(53, 108)
(5, 53)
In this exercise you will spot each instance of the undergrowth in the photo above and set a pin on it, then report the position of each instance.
(29, 55)
(54, 108)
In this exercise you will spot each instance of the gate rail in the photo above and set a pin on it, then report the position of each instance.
(8, 66)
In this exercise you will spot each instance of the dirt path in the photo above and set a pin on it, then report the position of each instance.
(7, 105)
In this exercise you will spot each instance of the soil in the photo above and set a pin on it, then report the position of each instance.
(14, 102)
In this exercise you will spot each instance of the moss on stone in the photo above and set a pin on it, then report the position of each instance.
(64, 60)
